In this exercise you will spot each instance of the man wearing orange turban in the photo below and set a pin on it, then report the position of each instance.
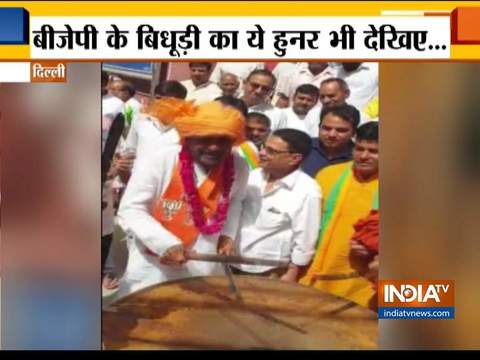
(187, 198)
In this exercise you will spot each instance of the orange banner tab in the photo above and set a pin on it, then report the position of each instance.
(465, 25)
(48, 71)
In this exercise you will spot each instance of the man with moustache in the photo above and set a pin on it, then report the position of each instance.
(350, 193)
(256, 94)
(305, 98)
(332, 92)
(334, 142)
(281, 211)
(199, 88)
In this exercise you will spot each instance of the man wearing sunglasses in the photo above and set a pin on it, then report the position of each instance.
(257, 90)
(281, 211)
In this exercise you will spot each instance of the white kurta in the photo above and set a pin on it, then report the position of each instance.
(282, 224)
(149, 135)
(312, 120)
(288, 84)
(278, 120)
(295, 121)
(134, 104)
(150, 178)
(206, 92)
(363, 84)
(241, 70)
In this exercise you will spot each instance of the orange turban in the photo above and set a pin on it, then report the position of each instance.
(212, 119)
(167, 109)
(209, 119)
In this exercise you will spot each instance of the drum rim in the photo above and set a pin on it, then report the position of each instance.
(118, 302)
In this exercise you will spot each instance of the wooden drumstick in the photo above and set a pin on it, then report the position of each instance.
(345, 276)
(236, 259)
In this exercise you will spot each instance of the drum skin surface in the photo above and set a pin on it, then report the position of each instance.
(202, 313)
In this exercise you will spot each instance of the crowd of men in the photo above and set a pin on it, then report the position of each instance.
(275, 162)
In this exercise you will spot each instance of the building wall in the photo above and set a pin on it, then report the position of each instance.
(178, 71)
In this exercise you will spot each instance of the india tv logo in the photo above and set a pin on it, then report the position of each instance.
(416, 299)
(48, 71)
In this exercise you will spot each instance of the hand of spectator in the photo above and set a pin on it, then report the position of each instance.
(372, 273)
(358, 250)
(359, 257)
(291, 274)
(174, 256)
(113, 171)
(226, 246)
(124, 163)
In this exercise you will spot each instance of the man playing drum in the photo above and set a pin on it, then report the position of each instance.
(187, 198)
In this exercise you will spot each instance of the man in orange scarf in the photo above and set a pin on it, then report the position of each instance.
(187, 198)
(350, 193)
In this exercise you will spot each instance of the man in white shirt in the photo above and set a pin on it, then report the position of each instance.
(132, 105)
(240, 69)
(110, 81)
(199, 87)
(332, 92)
(125, 91)
(283, 69)
(305, 98)
(310, 73)
(148, 133)
(362, 80)
(186, 198)
(281, 212)
(257, 129)
(257, 90)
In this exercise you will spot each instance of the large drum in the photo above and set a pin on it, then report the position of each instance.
(203, 313)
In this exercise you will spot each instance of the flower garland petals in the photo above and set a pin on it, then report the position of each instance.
(196, 207)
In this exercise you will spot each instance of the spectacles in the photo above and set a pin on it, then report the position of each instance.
(272, 151)
(260, 86)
